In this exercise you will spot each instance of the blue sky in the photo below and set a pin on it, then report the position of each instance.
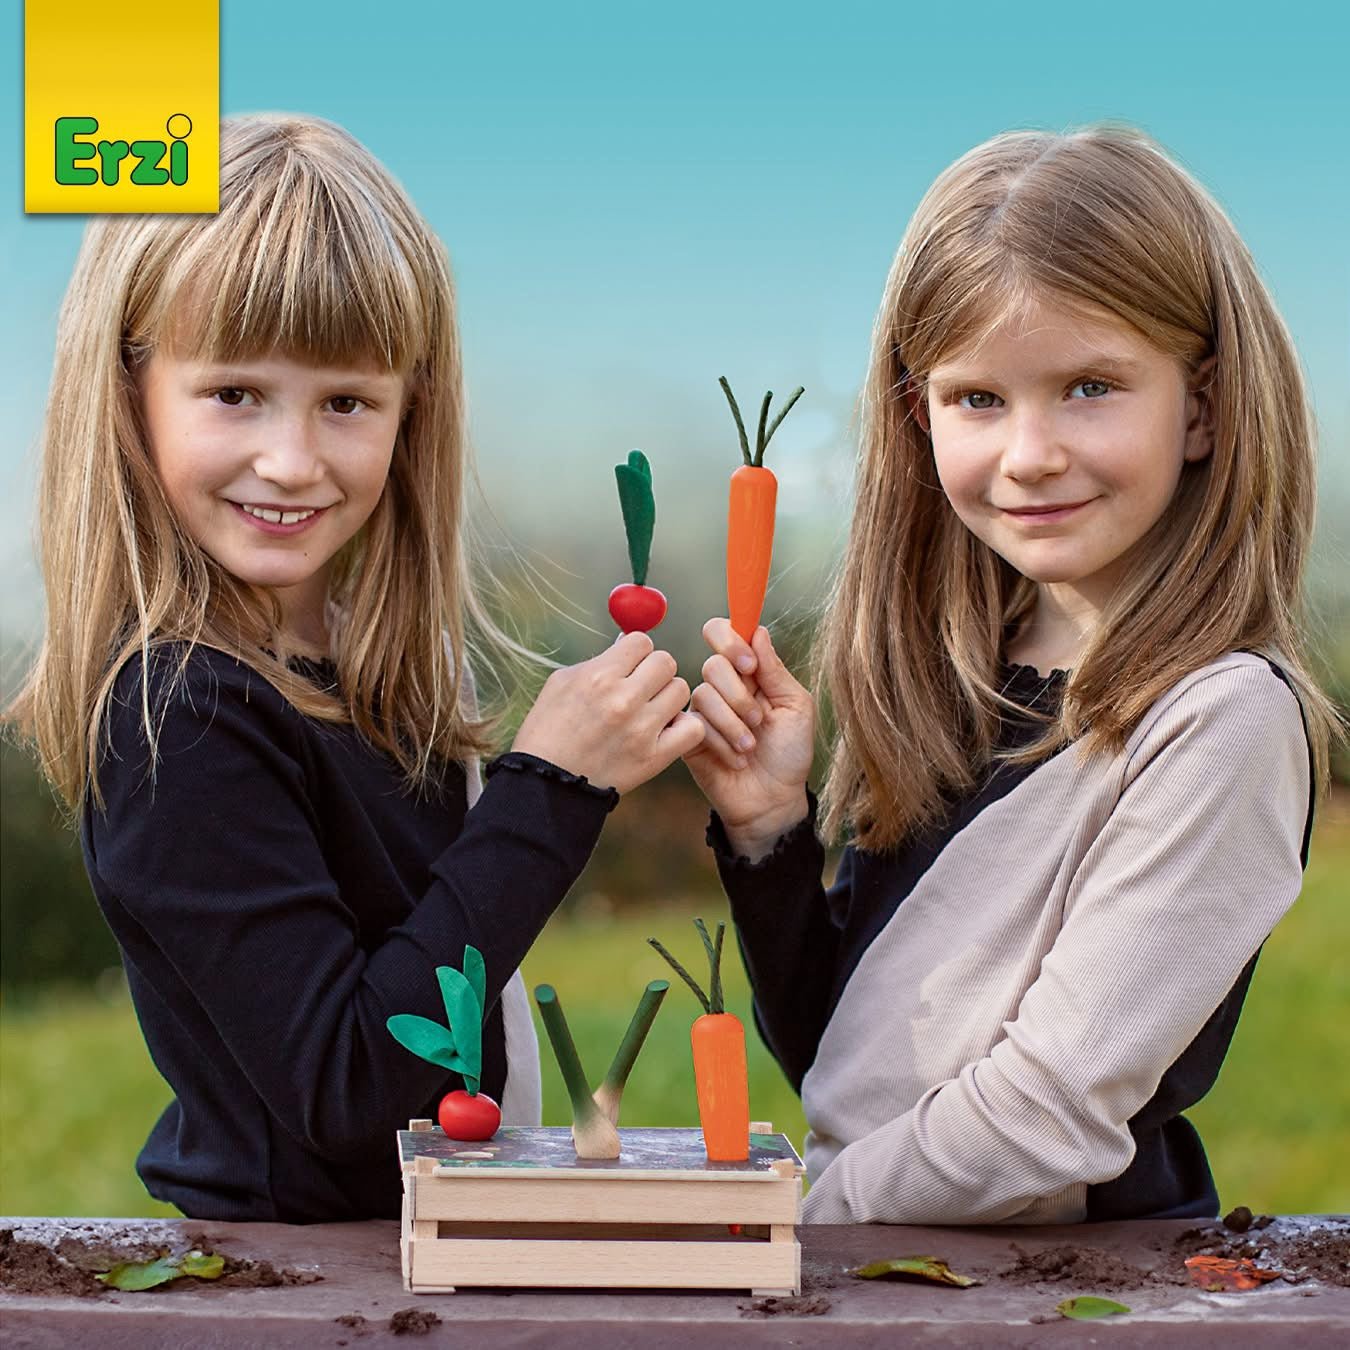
(637, 200)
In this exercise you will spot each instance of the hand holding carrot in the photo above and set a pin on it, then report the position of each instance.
(758, 788)
(618, 719)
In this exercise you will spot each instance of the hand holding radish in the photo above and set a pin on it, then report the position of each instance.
(758, 788)
(618, 719)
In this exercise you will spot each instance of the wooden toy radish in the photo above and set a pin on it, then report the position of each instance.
(635, 606)
(465, 1113)
(750, 517)
(718, 1043)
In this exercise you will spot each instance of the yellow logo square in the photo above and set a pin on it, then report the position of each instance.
(122, 106)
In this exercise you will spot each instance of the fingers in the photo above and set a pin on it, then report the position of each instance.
(715, 744)
(733, 727)
(653, 673)
(669, 701)
(626, 653)
(682, 737)
(775, 680)
(723, 639)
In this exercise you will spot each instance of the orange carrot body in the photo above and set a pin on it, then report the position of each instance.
(720, 1079)
(750, 520)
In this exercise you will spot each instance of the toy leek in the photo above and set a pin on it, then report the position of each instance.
(635, 606)
(458, 1046)
(750, 517)
(595, 1115)
(717, 1040)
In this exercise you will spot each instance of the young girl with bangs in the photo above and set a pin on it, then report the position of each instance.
(1077, 741)
(254, 687)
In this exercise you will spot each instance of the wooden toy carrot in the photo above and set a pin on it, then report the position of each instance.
(635, 606)
(750, 517)
(718, 1043)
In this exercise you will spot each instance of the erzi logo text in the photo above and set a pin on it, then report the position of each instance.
(145, 158)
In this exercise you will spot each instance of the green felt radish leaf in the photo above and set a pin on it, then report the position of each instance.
(931, 1268)
(476, 973)
(427, 1039)
(638, 504)
(465, 1015)
(1088, 1306)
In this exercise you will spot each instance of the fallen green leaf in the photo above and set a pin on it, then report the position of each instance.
(931, 1268)
(132, 1276)
(1087, 1306)
(203, 1265)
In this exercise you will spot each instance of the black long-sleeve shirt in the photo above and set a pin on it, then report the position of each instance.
(277, 896)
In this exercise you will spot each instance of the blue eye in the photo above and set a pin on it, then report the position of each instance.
(1090, 388)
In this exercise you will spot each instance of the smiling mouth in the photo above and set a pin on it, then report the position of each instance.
(1043, 512)
(277, 515)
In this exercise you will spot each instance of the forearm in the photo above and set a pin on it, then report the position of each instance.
(787, 940)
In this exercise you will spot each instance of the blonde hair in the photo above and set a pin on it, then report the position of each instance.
(316, 253)
(921, 608)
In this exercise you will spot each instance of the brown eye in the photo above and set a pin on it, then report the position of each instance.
(978, 399)
(231, 398)
(344, 404)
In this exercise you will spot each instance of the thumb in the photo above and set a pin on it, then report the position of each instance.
(775, 680)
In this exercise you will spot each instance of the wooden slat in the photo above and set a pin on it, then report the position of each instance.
(519, 1263)
(610, 1232)
(609, 1199)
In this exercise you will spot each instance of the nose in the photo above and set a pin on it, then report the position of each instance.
(288, 455)
(1032, 450)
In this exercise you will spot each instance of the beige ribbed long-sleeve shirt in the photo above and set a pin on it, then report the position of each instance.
(1020, 1004)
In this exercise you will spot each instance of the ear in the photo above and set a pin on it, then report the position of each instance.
(1199, 442)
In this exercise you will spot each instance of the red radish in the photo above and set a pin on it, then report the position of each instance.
(635, 606)
(636, 609)
(468, 1115)
(457, 1047)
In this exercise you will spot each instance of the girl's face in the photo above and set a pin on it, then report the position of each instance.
(272, 465)
(1060, 442)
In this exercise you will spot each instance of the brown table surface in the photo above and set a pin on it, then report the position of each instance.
(360, 1284)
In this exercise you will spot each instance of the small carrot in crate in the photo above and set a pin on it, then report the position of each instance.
(750, 517)
(635, 606)
(717, 1040)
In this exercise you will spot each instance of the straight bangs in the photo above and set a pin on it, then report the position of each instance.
(299, 261)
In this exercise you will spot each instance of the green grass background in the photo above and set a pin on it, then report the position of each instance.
(78, 1092)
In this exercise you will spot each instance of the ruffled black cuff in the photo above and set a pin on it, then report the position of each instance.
(518, 761)
(728, 858)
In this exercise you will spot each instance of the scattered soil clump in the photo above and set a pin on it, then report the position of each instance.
(413, 1322)
(33, 1268)
(69, 1264)
(1299, 1249)
(1085, 1267)
(804, 1305)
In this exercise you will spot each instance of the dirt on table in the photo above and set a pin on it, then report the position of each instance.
(67, 1265)
(413, 1322)
(1300, 1249)
(1083, 1267)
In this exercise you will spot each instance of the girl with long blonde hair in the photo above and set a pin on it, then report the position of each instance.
(254, 688)
(1077, 741)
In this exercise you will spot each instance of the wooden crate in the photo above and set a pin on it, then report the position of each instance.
(522, 1210)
